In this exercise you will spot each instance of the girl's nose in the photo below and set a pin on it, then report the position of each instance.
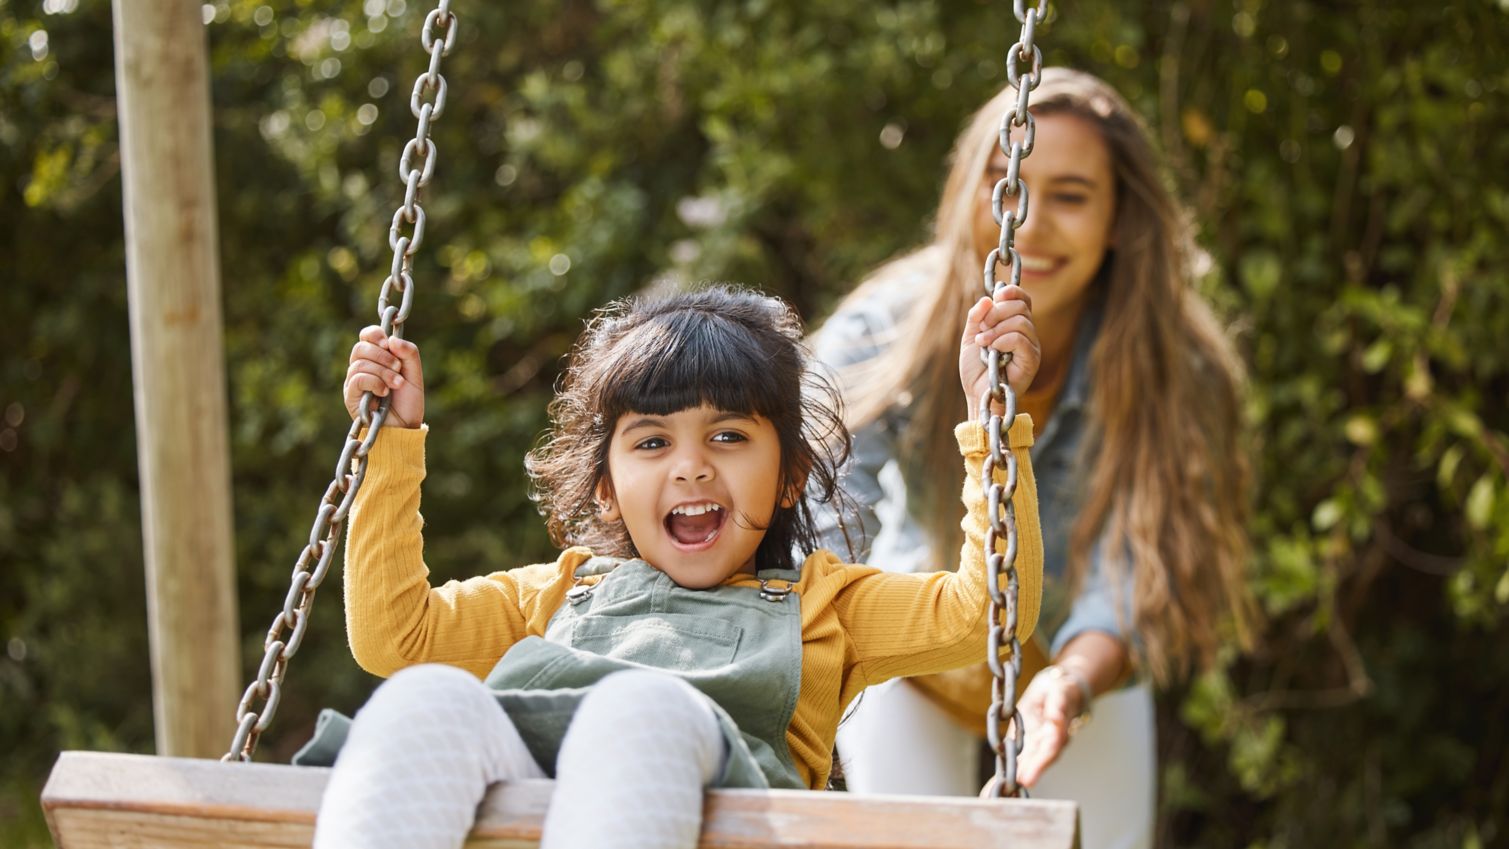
(693, 469)
(692, 465)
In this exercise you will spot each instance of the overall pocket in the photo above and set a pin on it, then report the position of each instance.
(673, 641)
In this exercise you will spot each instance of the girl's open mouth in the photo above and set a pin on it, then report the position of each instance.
(694, 527)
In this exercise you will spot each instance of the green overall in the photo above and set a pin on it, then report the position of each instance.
(739, 646)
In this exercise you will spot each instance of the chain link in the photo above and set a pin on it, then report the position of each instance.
(260, 701)
(1003, 723)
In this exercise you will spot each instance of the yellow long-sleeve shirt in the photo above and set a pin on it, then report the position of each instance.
(860, 625)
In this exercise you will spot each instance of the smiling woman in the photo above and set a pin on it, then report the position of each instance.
(1137, 406)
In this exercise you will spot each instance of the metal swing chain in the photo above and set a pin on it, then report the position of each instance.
(260, 701)
(1003, 717)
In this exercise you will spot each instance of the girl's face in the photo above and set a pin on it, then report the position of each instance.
(1072, 207)
(696, 489)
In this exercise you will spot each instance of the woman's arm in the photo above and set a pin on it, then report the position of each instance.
(1091, 655)
(845, 340)
(1091, 663)
(1098, 659)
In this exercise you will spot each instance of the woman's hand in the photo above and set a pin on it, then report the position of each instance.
(1048, 708)
(1002, 322)
(382, 365)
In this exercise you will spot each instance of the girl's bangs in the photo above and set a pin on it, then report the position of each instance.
(689, 359)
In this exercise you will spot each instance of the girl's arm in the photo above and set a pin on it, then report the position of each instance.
(394, 618)
(938, 622)
(913, 624)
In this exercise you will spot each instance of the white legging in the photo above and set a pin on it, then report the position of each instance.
(422, 752)
(896, 741)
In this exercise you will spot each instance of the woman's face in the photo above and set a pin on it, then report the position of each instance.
(1072, 207)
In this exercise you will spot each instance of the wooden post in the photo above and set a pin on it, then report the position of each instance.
(173, 280)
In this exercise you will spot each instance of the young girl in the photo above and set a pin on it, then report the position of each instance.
(680, 642)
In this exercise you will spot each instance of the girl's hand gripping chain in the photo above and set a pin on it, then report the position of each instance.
(383, 365)
(1002, 322)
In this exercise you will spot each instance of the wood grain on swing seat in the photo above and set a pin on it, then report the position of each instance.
(96, 800)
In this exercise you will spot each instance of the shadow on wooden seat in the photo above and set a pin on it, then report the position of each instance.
(95, 799)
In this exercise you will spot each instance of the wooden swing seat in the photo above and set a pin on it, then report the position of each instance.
(95, 799)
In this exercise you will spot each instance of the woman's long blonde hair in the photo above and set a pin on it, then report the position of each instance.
(1167, 473)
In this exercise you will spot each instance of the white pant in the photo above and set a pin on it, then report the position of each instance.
(425, 748)
(896, 741)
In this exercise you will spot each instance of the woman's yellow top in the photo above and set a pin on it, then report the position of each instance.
(860, 625)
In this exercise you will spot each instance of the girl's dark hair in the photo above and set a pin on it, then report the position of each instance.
(729, 348)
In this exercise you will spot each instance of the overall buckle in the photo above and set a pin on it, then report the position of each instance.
(770, 592)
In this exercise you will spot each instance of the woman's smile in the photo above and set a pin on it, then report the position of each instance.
(1037, 266)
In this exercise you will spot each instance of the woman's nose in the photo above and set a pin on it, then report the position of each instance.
(1035, 223)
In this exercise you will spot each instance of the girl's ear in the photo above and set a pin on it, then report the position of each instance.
(607, 505)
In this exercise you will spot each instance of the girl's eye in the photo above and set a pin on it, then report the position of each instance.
(651, 444)
(1071, 199)
(729, 436)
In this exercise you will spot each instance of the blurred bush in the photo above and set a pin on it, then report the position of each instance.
(1345, 162)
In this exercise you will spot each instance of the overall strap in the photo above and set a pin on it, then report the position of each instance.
(592, 567)
(776, 584)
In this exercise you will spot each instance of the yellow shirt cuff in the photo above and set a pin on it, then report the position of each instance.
(974, 441)
(398, 451)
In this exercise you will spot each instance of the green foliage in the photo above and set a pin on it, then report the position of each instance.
(1344, 162)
